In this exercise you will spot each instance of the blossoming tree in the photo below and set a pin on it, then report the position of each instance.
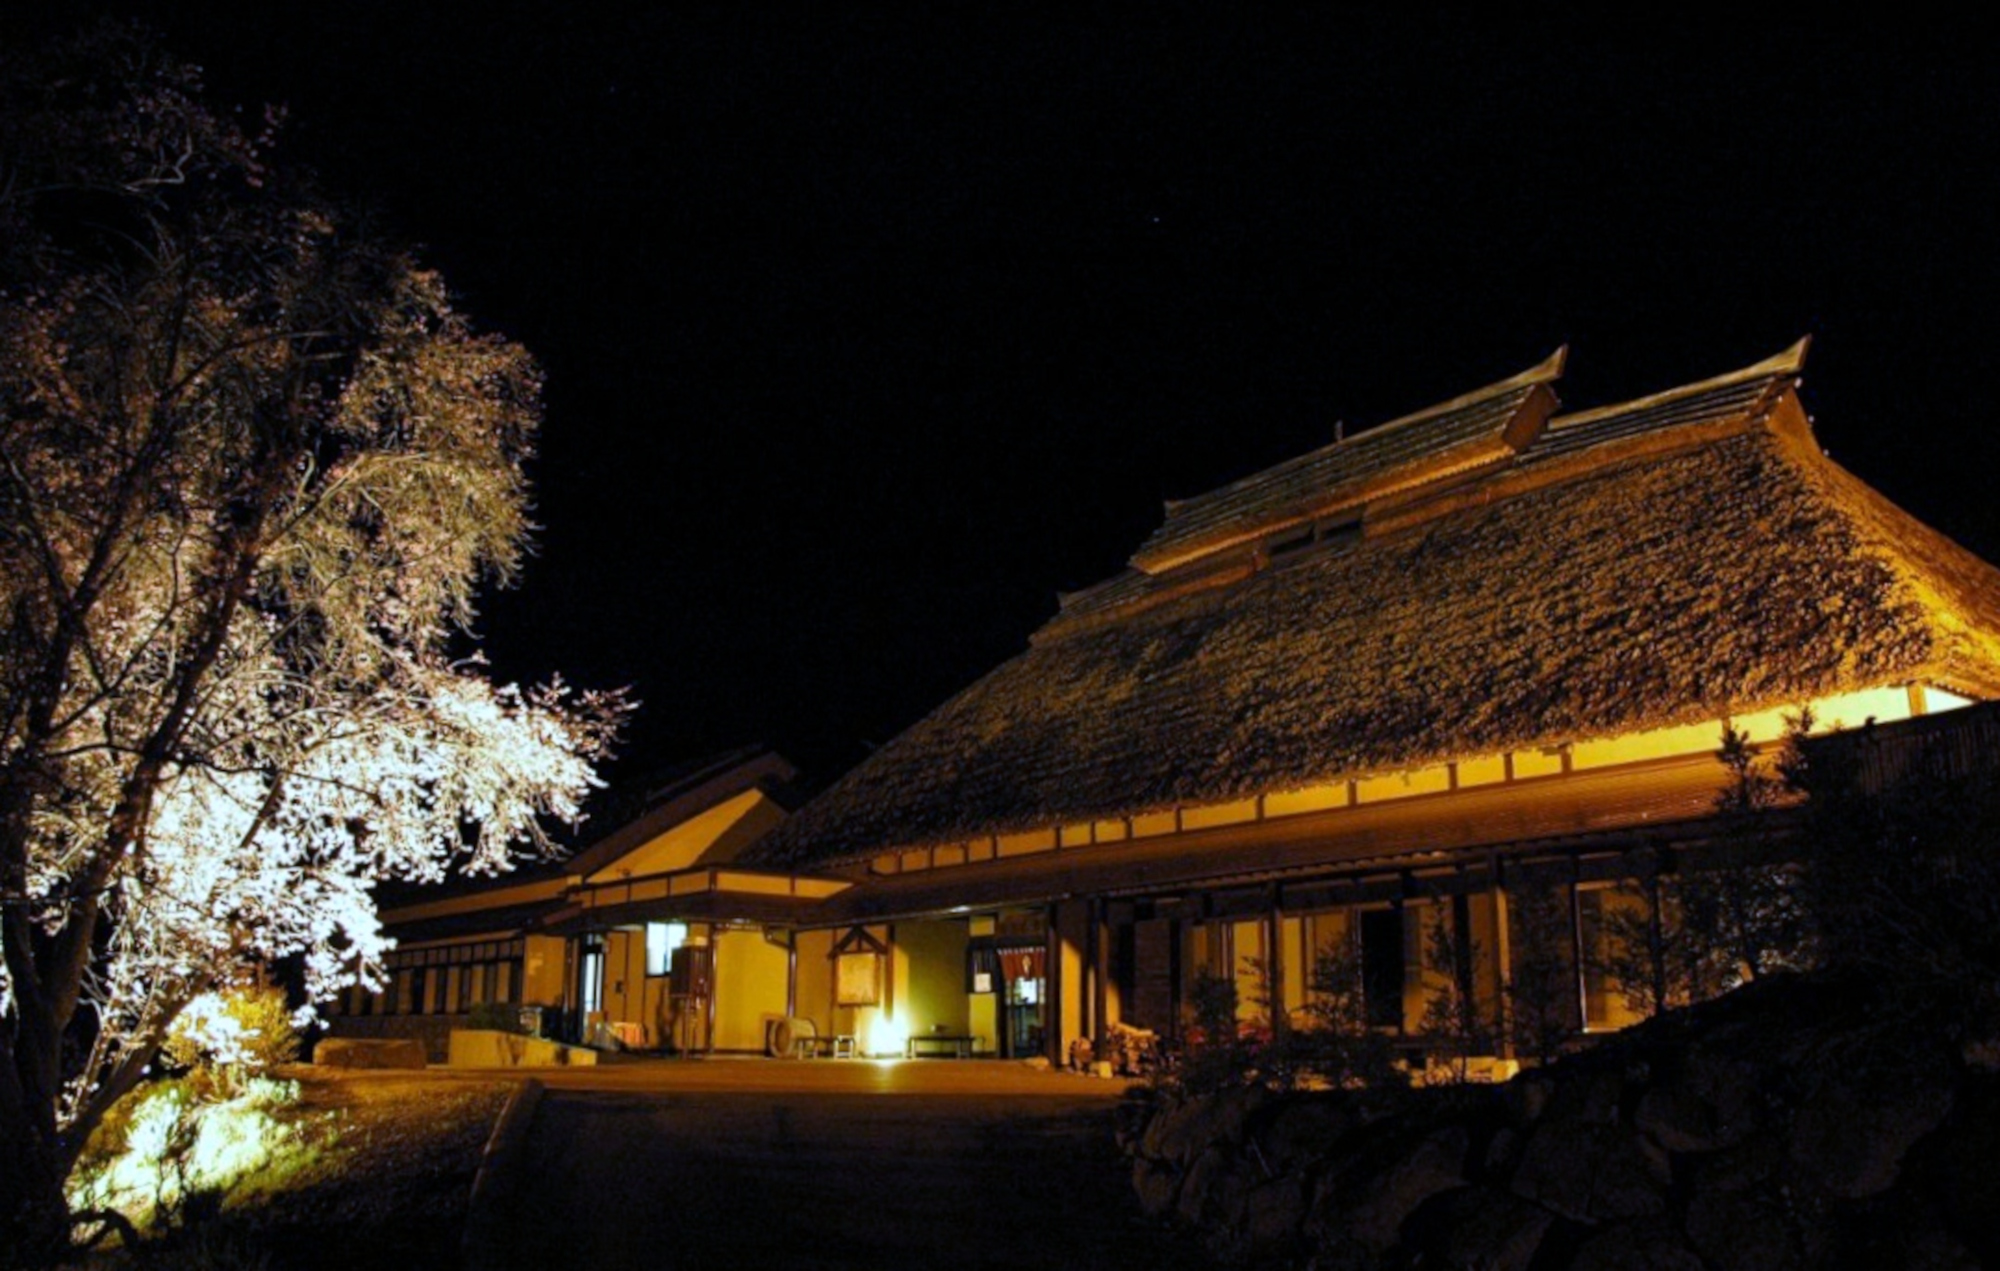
(253, 469)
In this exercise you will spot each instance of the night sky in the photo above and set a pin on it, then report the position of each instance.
(865, 337)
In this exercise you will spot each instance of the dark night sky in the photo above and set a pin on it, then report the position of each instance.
(864, 337)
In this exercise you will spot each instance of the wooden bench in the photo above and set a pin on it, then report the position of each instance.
(837, 1046)
(795, 1037)
(962, 1044)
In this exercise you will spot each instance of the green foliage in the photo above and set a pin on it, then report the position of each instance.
(1660, 957)
(255, 468)
(1904, 872)
(1216, 1055)
(1745, 916)
(248, 1027)
(1337, 1045)
(167, 1155)
(1332, 1045)
(1541, 991)
(1454, 1022)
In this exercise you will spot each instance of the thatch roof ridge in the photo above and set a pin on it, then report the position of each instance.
(1687, 564)
(1477, 427)
(1787, 365)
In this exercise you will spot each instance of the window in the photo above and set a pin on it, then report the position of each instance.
(662, 938)
(1382, 966)
(1611, 922)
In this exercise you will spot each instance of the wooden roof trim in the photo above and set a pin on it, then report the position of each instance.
(1548, 370)
(763, 770)
(1521, 426)
(1788, 363)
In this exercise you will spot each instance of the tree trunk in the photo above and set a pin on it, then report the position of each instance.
(34, 1212)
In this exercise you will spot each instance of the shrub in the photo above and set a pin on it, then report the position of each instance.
(243, 1029)
(1904, 873)
(169, 1152)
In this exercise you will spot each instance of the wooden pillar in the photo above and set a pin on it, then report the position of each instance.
(1098, 963)
(714, 962)
(1176, 991)
(1274, 965)
(1656, 940)
(1576, 946)
(791, 973)
(1052, 994)
(1396, 905)
(1503, 962)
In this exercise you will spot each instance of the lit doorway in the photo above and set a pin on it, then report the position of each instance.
(1023, 998)
(589, 984)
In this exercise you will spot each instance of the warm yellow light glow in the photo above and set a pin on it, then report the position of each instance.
(1482, 770)
(218, 1145)
(1027, 841)
(888, 1034)
(1401, 785)
(1658, 743)
(1212, 814)
(1938, 700)
(1312, 799)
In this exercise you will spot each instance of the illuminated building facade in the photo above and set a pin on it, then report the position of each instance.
(1478, 654)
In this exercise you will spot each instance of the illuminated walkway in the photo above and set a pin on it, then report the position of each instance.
(828, 1164)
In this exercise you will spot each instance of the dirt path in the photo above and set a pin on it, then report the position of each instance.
(827, 1179)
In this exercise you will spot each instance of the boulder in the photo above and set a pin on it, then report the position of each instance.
(1375, 1191)
(1477, 1227)
(1904, 1230)
(1961, 1164)
(1526, 1097)
(369, 1052)
(1180, 1133)
(1197, 1202)
(1711, 1101)
(1159, 1186)
(1850, 1134)
(1176, 1134)
(1304, 1128)
(1589, 1093)
(1274, 1217)
(1592, 1172)
(1650, 1244)
(1767, 1226)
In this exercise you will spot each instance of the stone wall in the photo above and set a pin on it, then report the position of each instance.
(1796, 1123)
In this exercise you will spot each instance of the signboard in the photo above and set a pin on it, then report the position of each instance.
(857, 978)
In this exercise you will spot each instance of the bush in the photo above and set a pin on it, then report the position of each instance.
(170, 1151)
(1904, 874)
(238, 1030)
(1333, 1046)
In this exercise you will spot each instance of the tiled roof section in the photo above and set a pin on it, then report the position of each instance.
(1642, 587)
(1463, 432)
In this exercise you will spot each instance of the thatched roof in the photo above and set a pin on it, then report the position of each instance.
(1514, 581)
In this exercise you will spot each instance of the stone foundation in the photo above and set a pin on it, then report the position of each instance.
(1797, 1123)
